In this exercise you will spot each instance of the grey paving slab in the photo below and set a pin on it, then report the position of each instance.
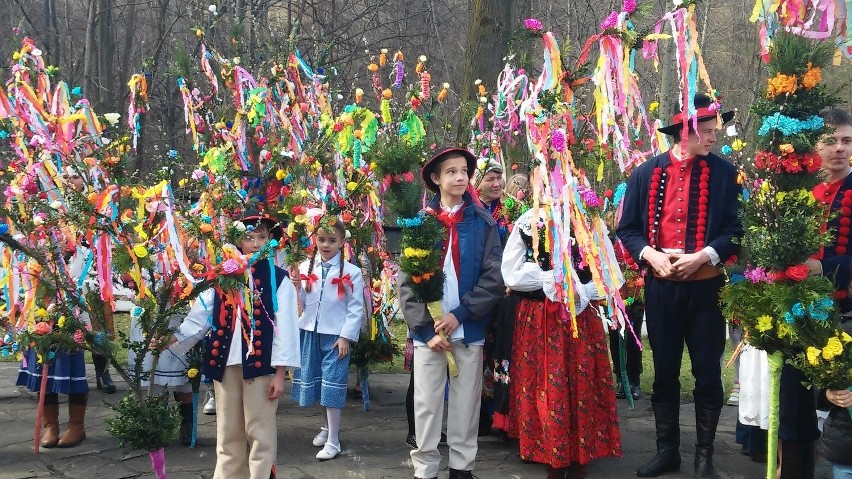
(373, 443)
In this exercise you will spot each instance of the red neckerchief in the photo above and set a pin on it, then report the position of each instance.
(450, 222)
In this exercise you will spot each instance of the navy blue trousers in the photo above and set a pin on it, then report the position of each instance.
(686, 312)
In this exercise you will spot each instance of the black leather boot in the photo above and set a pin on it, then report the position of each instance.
(797, 459)
(667, 459)
(705, 430)
(102, 377)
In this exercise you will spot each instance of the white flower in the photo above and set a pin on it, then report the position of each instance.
(56, 204)
(211, 9)
(240, 226)
(678, 3)
(731, 130)
(422, 58)
(236, 60)
(477, 82)
(37, 52)
(348, 234)
(112, 118)
(38, 221)
(339, 96)
(446, 85)
(480, 164)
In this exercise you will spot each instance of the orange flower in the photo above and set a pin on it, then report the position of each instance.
(812, 77)
(782, 84)
(787, 148)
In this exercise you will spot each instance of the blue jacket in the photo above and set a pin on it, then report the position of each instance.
(480, 281)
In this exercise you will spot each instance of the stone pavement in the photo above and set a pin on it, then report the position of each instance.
(373, 443)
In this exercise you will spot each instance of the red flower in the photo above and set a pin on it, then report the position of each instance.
(798, 272)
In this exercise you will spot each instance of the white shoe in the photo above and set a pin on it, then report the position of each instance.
(210, 405)
(319, 439)
(330, 451)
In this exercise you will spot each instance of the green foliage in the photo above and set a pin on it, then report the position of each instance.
(423, 273)
(144, 426)
(368, 352)
(782, 229)
(748, 302)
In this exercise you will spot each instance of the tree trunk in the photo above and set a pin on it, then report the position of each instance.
(106, 58)
(487, 44)
(89, 55)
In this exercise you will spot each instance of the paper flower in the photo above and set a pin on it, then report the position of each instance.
(239, 226)
(832, 349)
(192, 373)
(628, 6)
(557, 140)
(112, 118)
(782, 84)
(140, 251)
(812, 77)
(230, 266)
(610, 21)
(42, 327)
(533, 25)
(764, 323)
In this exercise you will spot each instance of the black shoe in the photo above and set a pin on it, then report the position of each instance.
(411, 440)
(457, 474)
(104, 382)
(667, 459)
(705, 430)
(636, 392)
(619, 391)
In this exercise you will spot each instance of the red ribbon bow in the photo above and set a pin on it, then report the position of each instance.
(309, 279)
(451, 221)
(342, 282)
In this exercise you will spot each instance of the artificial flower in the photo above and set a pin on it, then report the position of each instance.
(192, 373)
(533, 25)
(813, 355)
(845, 337)
(737, 144)
(832, 349)
(784, 330)
(42, 327)
(653, 106)
(764, 323)
(811, 77)
(140, 251)
(798, 272)
(781, 84)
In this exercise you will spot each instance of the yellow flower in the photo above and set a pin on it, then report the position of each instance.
(61, 322)
(833, 348)
(737, 144)
(41, 312)
(653, 106)
(183, 182)
(845, 337)
(787, 148)
(140, 251)
(784, 330)
(813, 355)
(280, 174)
(410, 252)
(192, 373)
(764, 323)
(351, 186)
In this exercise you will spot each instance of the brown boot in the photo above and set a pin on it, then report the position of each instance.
(50, 421)
(76, 431)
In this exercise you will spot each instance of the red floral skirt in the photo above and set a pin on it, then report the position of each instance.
(562, 402)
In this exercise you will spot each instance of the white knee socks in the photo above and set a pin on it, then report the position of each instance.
(333, 418)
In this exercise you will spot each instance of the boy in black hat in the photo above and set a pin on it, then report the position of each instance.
(680, 221)
(250, 347)
(473, 286)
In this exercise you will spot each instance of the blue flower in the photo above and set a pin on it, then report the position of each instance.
(77, 91)
(798, 310)
(4, 134)
(727, 150)
(173, 154)
(825, 303)
(619, 194)
(409, 222)
(51, 355)
(789, 126)
(99, 338)
(4, 228)
(789, 318)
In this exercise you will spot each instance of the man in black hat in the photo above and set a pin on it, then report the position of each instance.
(680, 221)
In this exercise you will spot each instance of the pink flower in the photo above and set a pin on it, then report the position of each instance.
(533, 25)
(628, 6)
(79, 337)
(230, 266)
(591, 198)
(757, 275)
(521, 195)
(557, 140)
(611, 21)
(43, 328)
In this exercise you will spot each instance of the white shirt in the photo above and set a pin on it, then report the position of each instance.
(285, 343)
(325, 312)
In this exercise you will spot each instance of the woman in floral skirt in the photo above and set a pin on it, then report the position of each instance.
(562, 403)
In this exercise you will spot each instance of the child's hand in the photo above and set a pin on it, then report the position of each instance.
(439, 344)
(162, 343)
(447, 324)
(342, 345)
(276, 385)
